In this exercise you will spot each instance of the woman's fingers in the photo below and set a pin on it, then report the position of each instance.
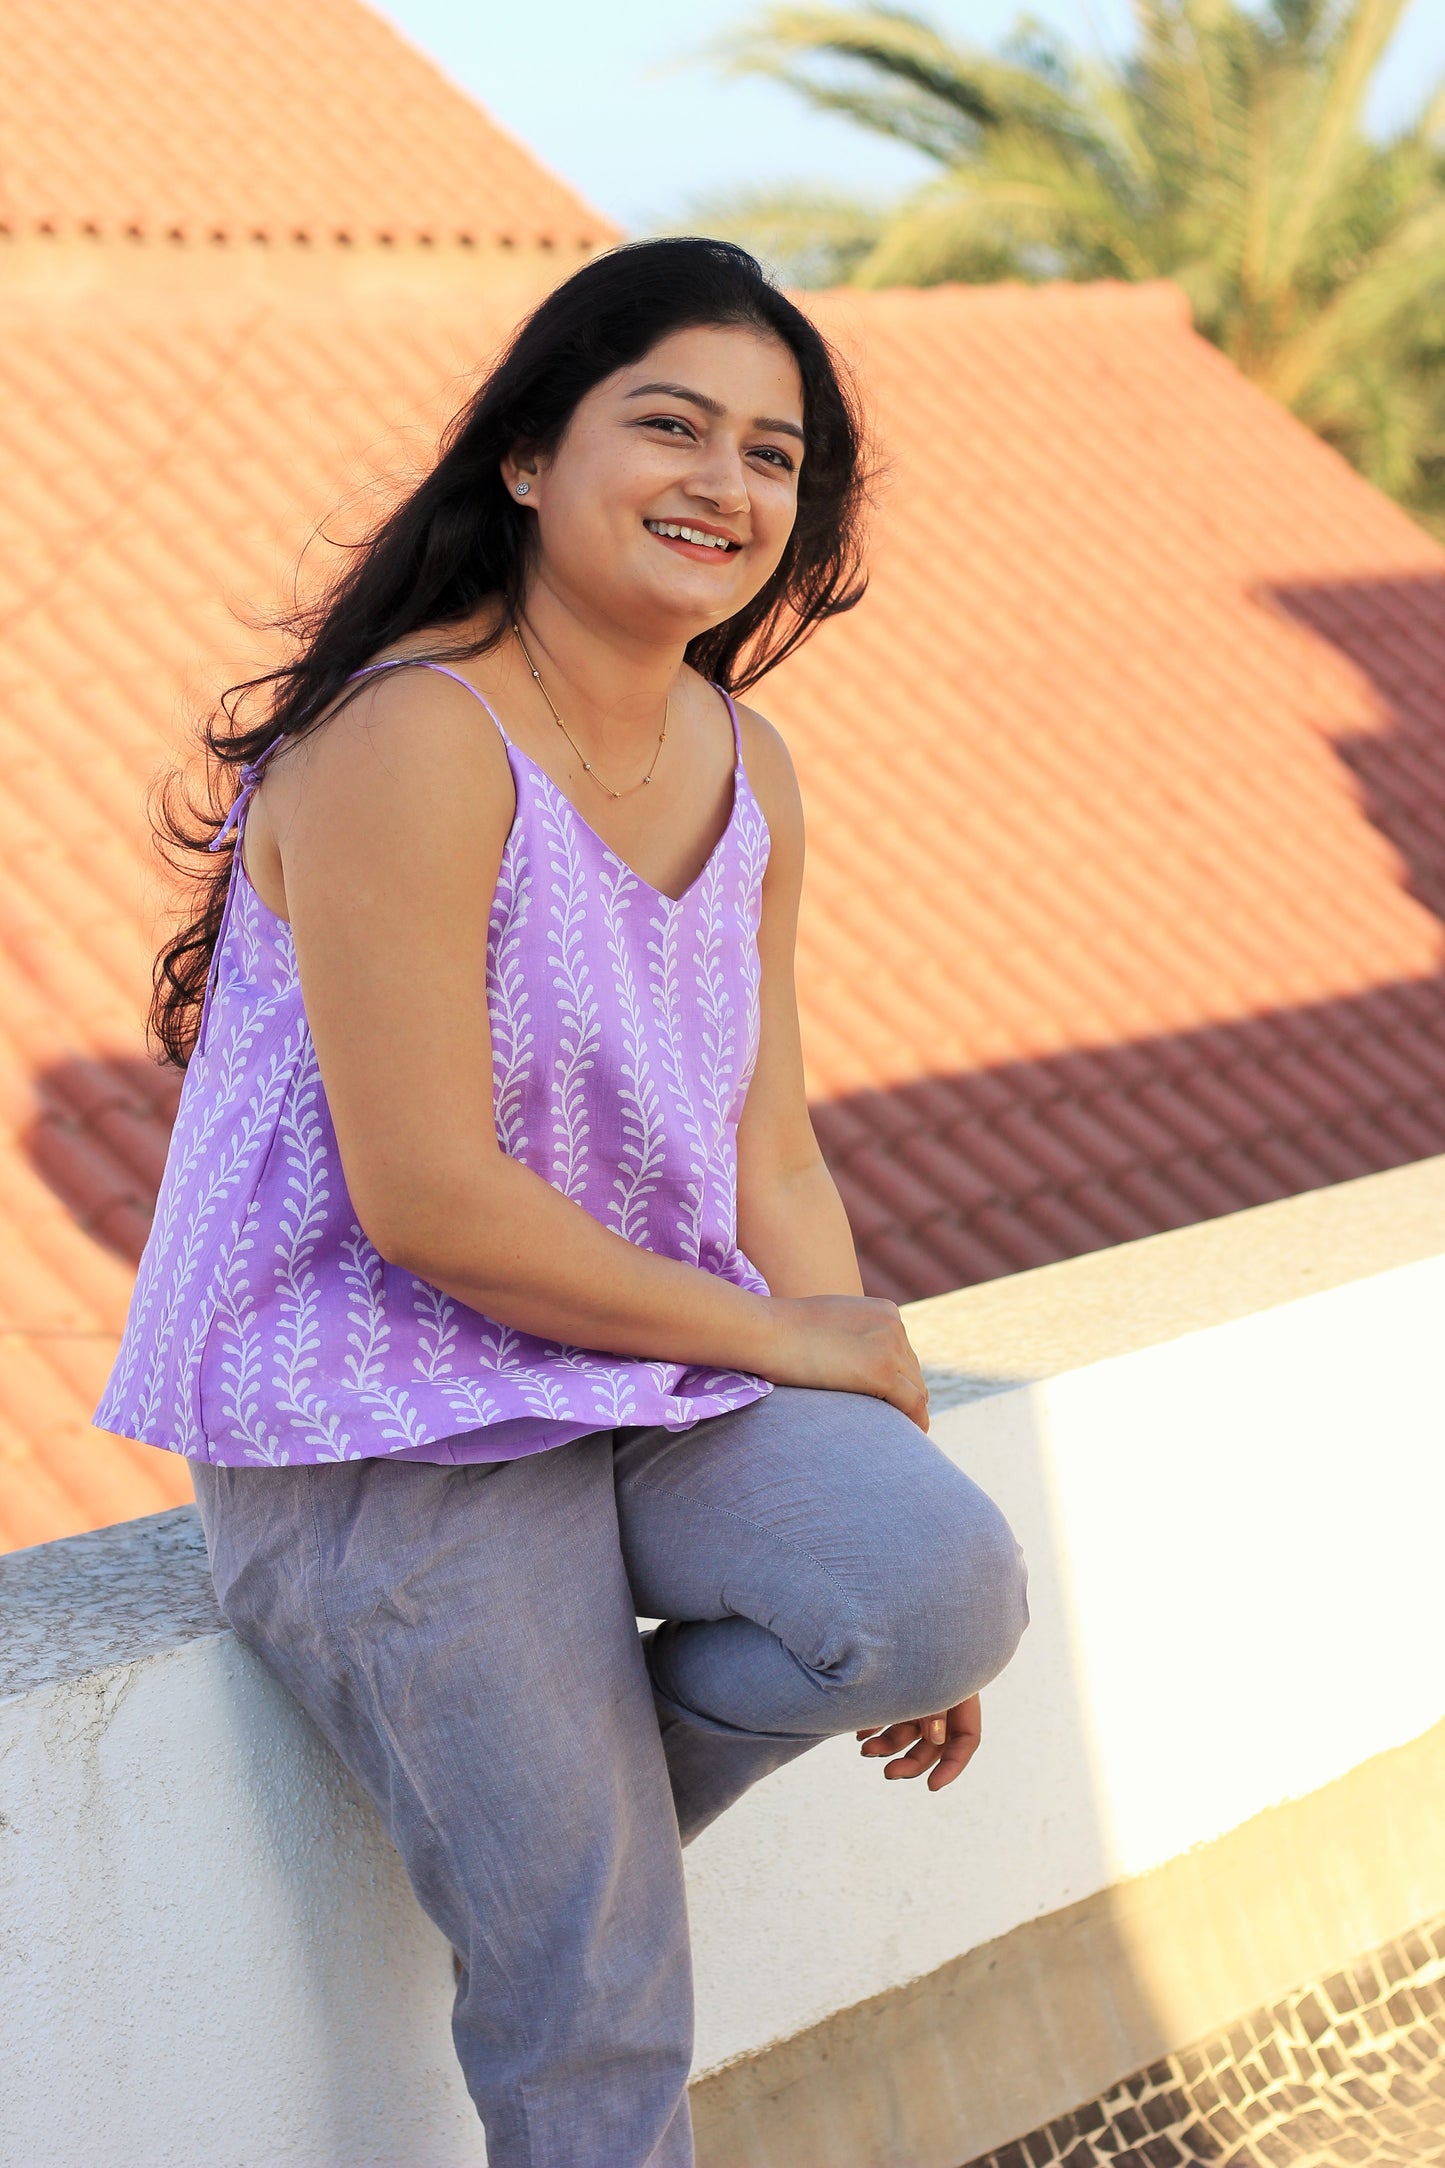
(940, 1746)
(905, 1385)
(850, 1343)
(892, 1739)
(965, 1729)
(910, 1390)
(917, 1744)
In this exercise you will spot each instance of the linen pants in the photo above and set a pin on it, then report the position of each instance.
(466, 1638)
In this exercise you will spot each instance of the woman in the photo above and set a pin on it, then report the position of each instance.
(490, 1323)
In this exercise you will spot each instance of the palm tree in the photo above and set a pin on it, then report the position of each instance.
(1227, 151)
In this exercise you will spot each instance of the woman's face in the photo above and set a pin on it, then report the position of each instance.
(704, 433)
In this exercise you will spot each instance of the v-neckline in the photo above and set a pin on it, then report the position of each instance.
(674, 903)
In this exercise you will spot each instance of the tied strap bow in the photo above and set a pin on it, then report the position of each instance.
(250, 777)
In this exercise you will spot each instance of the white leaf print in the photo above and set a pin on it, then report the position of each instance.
(296, 1347)
(366, 1313)
(614, 1395)
(719, 1053)
(665, 977)
(258, 1265)
(544, 1395)
(200, 1173)
(580, 1036)
(469, 1399)
(389, 1406)
(754, 847)
(513, 1040)
(210, 1171)
(502, 1343)
(437, 1336)
(243, 1360)
(644, 1136)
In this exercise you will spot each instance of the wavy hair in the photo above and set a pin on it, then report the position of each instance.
(459, 541)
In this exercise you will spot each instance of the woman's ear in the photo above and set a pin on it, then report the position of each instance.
(521, 470)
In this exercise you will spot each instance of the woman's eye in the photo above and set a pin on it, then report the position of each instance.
(669, 422)
(774, 457)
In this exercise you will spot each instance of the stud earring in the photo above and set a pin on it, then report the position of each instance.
(522, 488)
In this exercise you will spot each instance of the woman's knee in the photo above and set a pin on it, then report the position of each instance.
(953, 1606)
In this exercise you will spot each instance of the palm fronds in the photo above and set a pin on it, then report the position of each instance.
(805, 236)
(1227, 151)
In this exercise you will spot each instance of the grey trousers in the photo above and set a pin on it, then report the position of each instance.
(466, 1639)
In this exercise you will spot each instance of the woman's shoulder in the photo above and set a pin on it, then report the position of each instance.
(768, 765)
(409, 702)
(372, 763)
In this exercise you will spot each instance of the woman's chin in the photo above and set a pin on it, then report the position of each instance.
(709, 593)
(679, 610)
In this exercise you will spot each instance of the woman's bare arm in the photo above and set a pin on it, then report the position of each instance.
(390, 822)
(791, 1221)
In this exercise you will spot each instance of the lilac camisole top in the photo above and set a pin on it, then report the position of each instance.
(266, 1330)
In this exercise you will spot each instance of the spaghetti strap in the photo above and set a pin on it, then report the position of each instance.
(251, 774)
(250, 777)
(737, 727)
(233, 824)
(419, 662)
(235, 821)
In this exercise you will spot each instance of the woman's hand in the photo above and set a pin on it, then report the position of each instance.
(944, 1744)
(847, 1344)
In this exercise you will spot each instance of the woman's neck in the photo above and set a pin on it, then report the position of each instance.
(609, 685)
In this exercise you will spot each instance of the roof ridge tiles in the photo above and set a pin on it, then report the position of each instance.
(199, 121)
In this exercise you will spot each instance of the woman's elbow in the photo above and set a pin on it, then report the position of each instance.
(392, 1228)
(426, 1225)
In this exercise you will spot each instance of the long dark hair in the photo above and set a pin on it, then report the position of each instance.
(459, 540)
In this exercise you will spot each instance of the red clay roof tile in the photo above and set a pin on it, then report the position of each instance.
(1125, 784)
(232, 121)
(1188, 785)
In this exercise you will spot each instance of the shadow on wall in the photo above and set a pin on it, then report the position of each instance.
(955, 1179)
(965, 1178)
(1387, 629)
(864, 1883)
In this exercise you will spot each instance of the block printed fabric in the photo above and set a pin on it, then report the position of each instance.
(265, 1329)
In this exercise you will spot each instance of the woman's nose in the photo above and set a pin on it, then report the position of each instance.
(722, 482)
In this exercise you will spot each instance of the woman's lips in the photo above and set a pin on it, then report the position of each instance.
(695, 550)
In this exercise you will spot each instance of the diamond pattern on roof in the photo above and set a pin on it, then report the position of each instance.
(1126, 792)
(160, 474)
(1126, 783)
(237, 120)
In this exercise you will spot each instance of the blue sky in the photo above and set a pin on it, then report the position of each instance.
(610, 93)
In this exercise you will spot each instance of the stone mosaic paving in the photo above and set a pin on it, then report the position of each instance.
(1346, 2073)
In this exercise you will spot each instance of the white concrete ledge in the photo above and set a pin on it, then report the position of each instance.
(209, 1955)
(116, 1597)
(1033, 1325)
(1222, 1450)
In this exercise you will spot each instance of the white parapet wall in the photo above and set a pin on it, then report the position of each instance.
(1224, 1453)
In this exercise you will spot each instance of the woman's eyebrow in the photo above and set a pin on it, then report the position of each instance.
(714, 407)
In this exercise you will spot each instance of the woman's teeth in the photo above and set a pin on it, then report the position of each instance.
(687, 534)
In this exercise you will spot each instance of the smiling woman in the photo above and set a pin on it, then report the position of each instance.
(498, 1291)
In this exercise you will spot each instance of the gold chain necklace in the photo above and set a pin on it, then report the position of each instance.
(586, 764)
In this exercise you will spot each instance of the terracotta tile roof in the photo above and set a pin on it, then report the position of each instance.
(155, 469)
(1126, 791)
(1126, 784)
(233, 120)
